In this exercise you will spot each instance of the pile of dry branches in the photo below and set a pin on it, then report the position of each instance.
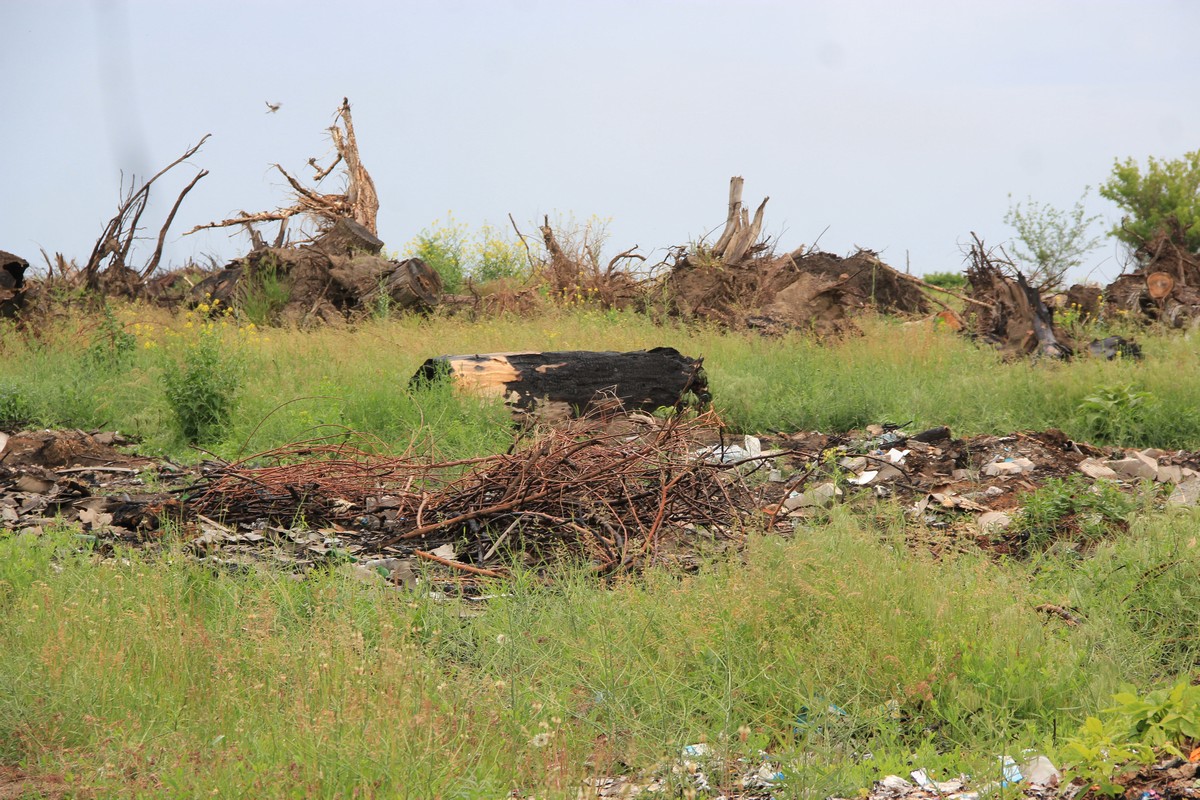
(604, 497)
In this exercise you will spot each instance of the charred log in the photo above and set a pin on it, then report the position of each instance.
(577, 383)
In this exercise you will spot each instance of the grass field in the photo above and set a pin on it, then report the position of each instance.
(157, 677)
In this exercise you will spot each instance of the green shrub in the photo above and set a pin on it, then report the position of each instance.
(15, 408)
(111, 346)
(202, 387)
(1115, 414)
(947, 280)
(1167, 193)
(1074, 505)
(444, 249)
(1132, 731)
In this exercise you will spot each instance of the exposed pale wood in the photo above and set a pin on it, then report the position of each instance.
(364, 201)
(735, 210)
(582, 381)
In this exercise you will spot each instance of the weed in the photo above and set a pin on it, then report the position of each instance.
(111, 346)
(1115, 414)
(202, 387)
(264, 292)
(15, 407)
(1132, 731)
(1073, 506)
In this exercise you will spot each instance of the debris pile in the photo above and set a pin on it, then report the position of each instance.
(739, 282)
(618, 495)
(964, 490)
(54, 477)
(1008, 312)
(1166, 288)
(340, 270)
(611, 498)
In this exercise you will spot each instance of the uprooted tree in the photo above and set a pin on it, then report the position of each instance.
(739, 281)
(108, 268)
(339, 268)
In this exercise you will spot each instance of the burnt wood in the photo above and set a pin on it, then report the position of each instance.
(578, 382)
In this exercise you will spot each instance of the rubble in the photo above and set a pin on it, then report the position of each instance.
(620, 495)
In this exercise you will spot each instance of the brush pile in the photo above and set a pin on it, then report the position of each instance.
(739, 282)
(612, 498)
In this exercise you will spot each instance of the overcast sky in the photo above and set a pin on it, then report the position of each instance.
(896, 126)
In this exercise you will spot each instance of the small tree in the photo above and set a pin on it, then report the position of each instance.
(1049, 240)
(1166, 190)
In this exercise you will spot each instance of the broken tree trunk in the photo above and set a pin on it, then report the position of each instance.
(360, 202)
(1015, 318)
(574, 383)
(741, 233)
(409, 284)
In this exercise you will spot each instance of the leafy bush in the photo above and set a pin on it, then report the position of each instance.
(947, 280)
(1050, 241)
(444, 249)
(1114, 414)
(495, 256)
(202, 387)
(1131, 732)
(1166, 191)
(456, 254)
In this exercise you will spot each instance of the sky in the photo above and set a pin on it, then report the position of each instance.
(896, 126)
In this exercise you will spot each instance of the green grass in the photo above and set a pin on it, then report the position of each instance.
(167, 679)
(300, 383)
(156, 677)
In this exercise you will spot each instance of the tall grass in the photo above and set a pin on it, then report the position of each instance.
(169, 679)
(300, 382)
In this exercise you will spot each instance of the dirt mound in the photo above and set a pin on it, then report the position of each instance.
(55, 449)
(316, 283)
(814, 291)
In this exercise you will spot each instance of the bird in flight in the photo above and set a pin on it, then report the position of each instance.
(272, 107)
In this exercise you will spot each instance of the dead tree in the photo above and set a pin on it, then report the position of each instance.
(741, 232)
(117, 239)
(1009, 312)
(359, 203)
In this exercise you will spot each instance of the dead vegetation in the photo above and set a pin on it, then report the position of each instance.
(741, 283)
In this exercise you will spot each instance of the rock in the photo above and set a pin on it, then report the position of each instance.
(1133, 468)
(1186, 493)
(994, 521)
(1169, 473)
(1096, 469)
(1041, 771)
(887, 473)
(1015, 466)
(855, 465)
(820, 496)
